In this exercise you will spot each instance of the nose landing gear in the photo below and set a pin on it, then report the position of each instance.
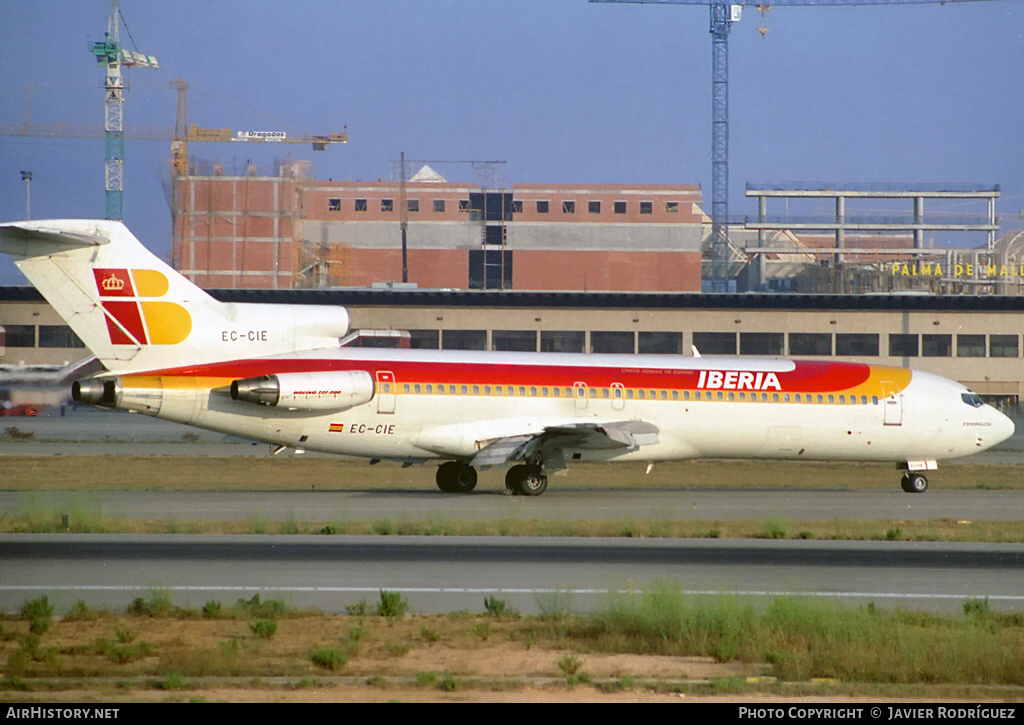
(914, 482)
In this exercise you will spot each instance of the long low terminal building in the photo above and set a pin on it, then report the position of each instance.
(973, 339)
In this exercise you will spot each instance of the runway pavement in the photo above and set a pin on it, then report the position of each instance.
(532, 575)
(608, 505)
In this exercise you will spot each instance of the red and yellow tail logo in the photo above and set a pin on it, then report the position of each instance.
(133, 316)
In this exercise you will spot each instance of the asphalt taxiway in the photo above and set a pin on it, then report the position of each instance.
(533, 575)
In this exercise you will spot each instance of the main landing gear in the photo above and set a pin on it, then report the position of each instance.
(456, 477)
(914, 482)
(526, 480)
(522, 480)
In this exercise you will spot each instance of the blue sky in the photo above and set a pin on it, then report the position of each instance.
(564, 91)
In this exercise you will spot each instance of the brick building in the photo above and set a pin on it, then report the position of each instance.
(290, 231)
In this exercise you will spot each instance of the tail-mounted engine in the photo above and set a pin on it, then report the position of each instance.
(103, 392)
(144, 396)
(306, 391)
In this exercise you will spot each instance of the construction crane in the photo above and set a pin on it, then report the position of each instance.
(178, 139)
(185, 133)
(109, 52)
(115, 58)
(723, 15)
(180, 136)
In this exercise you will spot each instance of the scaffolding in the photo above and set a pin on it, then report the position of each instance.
(245, 230)
(881, 249)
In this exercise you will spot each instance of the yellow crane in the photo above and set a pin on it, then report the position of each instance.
(180, 136)
(185, 133)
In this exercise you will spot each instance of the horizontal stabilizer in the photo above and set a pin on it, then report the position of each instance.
(23, 239)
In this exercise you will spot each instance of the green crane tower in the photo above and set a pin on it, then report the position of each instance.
(109, 53)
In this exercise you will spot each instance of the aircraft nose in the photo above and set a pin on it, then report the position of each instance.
(1003, 428)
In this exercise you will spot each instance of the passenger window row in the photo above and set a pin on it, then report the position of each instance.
(621, 393)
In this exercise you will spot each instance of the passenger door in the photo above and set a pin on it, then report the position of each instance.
(579, 394)
(892, 403)
(618, 396)
(385, 391)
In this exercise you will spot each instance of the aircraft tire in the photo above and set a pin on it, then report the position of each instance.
(511, 478)
(914, 483)
(456, 477)
(525, 480)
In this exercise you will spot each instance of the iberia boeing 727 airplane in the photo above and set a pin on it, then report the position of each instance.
(278, 373)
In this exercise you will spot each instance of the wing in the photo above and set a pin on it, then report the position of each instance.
(626, 435)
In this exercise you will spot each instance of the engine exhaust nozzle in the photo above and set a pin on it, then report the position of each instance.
(96, 391)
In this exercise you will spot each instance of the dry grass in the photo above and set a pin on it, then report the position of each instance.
(623, 655)
(162, 473)
(83, 521)
(419, 655)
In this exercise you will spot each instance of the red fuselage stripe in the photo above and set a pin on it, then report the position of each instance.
(805, 377)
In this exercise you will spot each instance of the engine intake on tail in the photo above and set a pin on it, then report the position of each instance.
(306, 391)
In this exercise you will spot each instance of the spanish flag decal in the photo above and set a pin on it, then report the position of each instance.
(134, 315)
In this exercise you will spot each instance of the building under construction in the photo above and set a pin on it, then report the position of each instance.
(240, 228)
(237, 228)
(858, 238)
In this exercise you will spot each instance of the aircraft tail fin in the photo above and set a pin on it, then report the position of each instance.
(134, 312)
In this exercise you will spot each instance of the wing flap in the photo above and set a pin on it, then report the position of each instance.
(548, 444)
(501, 450)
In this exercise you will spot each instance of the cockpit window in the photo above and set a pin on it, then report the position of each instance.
(972, 400)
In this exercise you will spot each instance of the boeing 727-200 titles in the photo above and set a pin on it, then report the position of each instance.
(278, 373)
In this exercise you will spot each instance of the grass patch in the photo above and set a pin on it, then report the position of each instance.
(264, 628)
(392, 604)
(803, 647)
(449, 682)
(43, 473)
(159, 604)
(855, 530)
(494, 606)
(802, 639)
(331, 658)
(775, 529)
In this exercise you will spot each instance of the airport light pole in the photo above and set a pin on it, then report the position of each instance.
(26, 176)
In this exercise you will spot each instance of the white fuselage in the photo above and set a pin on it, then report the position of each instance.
(431, 404)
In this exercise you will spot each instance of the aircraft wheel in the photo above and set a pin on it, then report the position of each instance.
(526, 480)
(914, 483)
(456, 477)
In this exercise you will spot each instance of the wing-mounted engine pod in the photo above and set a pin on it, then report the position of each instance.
(306, 391)
(104, 392)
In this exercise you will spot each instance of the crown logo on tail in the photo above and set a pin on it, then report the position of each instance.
(112, 284)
